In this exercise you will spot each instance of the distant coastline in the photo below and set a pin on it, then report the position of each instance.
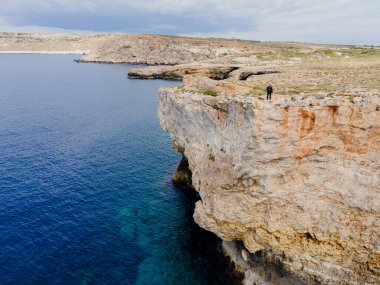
(45, 52)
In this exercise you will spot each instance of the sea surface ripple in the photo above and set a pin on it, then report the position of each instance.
(85, 189)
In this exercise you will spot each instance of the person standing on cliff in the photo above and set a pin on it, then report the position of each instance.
(269, 92)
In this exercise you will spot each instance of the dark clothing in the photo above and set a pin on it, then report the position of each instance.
(269, 92)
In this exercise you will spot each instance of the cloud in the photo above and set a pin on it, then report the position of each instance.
(338, 21)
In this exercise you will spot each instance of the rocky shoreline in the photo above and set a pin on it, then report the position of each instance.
(286, 179)
(291, 186)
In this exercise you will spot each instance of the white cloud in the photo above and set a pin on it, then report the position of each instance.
(303, 20)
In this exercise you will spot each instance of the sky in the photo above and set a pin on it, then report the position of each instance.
(315, 21)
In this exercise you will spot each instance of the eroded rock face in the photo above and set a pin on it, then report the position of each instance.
(178, 72)
(296, 180)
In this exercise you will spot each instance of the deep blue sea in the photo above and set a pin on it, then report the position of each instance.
(85, 181)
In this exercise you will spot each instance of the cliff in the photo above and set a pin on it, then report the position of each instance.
(297, 181)
(292, 186)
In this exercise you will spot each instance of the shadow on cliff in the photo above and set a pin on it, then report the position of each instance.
(203, 244)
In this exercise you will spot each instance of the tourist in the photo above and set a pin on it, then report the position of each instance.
(269, 92)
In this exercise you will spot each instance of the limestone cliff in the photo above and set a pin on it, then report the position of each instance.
(292, 184)
(296, 180)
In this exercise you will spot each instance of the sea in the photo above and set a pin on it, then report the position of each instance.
(85, 181)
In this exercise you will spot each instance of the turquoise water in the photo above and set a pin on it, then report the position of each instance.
(85, 189)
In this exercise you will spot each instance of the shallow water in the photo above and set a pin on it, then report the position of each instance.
(85, 189)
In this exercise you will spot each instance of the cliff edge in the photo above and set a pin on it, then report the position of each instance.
(295, 181)
(292, 186)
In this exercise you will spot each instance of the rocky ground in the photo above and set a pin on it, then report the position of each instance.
(220, 66)
(310, 70)
(291, 185)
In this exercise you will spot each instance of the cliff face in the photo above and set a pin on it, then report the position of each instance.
(297, 181)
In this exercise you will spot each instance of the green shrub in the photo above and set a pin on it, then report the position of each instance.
(210, 93)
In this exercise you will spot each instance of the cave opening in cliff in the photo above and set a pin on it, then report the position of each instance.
(183, 175)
